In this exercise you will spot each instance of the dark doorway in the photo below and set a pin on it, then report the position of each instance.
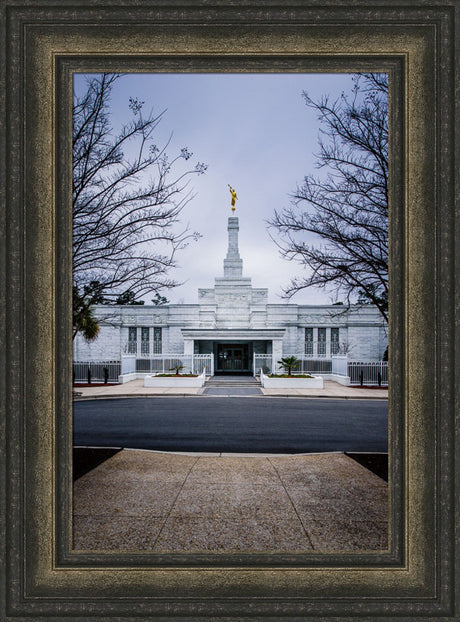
(232, 358)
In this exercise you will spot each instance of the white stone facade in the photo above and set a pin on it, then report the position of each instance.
(233, 321)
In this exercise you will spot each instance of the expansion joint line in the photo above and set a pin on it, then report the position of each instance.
(174, 502)
(292, 503)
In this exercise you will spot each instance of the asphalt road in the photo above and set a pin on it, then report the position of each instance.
(244, 425)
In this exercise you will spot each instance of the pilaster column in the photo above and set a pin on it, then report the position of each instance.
(188, 346)
(277, 353)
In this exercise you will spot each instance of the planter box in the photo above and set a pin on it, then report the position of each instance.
(291, 383)
(174, 381)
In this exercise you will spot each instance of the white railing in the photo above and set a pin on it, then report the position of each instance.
(96, 371)
(338, 368)
(309, 365)
(359, 372)
(164, 363)
(306, 364)
(368, 372)
(263, 362)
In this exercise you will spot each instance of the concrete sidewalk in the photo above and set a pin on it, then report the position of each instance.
(136, 388)
(151, 501)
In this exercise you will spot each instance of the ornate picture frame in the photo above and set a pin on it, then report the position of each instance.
(44, 45)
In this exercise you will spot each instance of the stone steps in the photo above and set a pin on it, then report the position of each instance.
(228, 385)
(246, 382)
(232, 384)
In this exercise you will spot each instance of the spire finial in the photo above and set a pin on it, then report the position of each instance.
(234, 197)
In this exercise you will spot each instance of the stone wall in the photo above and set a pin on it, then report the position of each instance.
(361, 330)
(107, 347)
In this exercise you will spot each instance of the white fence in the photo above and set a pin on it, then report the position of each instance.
(165, 363)
(309, 365)
(96, 371)
(306, 365)
(338, 368)
(263, 362)
(373, 373)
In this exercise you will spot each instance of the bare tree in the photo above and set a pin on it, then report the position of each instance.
(337, 227)
(126, 201)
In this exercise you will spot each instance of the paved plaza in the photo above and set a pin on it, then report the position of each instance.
(141, 500)
(162, 502)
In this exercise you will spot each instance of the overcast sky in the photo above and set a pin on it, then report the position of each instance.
(255, 133)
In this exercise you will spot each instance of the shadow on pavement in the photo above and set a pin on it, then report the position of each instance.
(377, 463)
(87, 458)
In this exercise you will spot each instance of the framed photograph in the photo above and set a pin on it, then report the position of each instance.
(264, 471)
(45, 47)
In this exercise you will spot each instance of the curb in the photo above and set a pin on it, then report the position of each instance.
(83, 398)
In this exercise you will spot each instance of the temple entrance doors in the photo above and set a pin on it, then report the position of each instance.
(232, 358)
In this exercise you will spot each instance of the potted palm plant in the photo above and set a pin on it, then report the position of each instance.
(288, 363)
(176, 379)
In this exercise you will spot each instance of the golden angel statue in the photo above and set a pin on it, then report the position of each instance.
(234, 197)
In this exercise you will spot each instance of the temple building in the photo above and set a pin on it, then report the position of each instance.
(234, 321)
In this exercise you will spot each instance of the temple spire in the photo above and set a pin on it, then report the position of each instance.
(233, 264)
